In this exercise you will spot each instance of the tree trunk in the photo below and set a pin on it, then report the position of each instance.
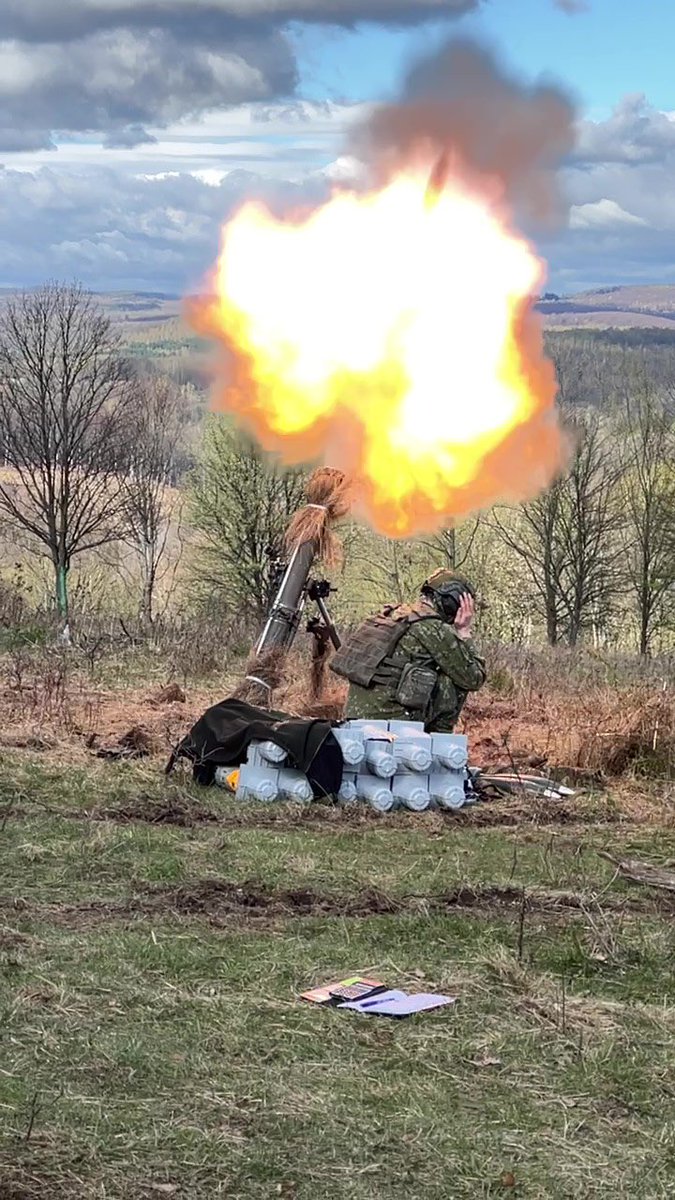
(551, 624)
(61, 573)
(551, 606)
(146, 613)
(644, 627)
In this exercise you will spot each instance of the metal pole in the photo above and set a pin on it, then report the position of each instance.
(289, 601)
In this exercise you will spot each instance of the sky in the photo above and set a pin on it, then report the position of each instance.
(131, 129)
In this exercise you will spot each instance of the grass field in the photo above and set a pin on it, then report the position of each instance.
(153, 941)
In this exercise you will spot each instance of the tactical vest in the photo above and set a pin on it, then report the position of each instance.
(359, 658)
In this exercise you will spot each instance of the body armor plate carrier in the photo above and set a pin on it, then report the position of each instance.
(368, 658)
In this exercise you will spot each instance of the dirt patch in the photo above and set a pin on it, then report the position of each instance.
(219, 901)
(137, 742)
(8, 1191)
(29, 1186)
(183, 810)
(151, 811)
(171, 694)
(325, 817)
(222, 903)
(213, 897)
(9, 941)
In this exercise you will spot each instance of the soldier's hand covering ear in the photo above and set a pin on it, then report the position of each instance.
(465, 614)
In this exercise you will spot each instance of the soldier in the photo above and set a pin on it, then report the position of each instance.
(415, 662)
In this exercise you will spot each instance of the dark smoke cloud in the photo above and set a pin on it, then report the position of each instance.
(110, 65)
(460, 103)
(16, 140)
(62, 20)
(114, 65)
(129, 138)
(116, 79)
(572, 6)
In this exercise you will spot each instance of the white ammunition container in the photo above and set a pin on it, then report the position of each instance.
(375, 793)
(258, 783)
(411, 791)
(348, 793)
(265, 754)
(352, 745)
(446, 789)
(450, 750)
(293, 785)
(272, 753)
(404, 728)
(413, 752)
(380, 759)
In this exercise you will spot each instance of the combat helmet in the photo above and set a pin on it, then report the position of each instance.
(444, 589)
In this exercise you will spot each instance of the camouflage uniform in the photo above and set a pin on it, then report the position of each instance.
(429, 641)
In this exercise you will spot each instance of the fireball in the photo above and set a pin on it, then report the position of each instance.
(392, 334)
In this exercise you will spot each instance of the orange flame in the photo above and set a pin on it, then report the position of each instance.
(392, 334)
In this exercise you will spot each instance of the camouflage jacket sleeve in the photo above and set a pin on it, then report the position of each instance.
(455, 657)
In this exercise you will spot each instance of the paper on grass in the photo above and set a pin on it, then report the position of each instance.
(399, 1004)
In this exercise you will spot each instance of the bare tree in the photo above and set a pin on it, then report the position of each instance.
(149, 500)
(241, 503)
(456, 542)
(648, 494)
(591, 522)
(63, 404)
(536, 541)
(393, 567)
(568, 538)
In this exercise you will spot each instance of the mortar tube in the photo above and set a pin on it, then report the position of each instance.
(282, 623)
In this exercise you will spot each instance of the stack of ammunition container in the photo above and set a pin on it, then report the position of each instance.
(387, 765)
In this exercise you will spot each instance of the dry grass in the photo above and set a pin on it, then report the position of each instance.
(596, 718)
(154, 1043)
(595, 731)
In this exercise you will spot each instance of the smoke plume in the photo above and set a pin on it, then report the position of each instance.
(459, 106)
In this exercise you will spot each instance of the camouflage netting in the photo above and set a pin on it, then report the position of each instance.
(267, 684)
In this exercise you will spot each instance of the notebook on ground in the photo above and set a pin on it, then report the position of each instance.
(398, 1004)
(355, 987)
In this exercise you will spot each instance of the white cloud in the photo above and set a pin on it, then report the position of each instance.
(285, 141)
(343, 170)
(602, 214)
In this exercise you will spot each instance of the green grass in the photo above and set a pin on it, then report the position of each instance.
(150, 1046)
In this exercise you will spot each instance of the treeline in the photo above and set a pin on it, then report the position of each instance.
(113, 475)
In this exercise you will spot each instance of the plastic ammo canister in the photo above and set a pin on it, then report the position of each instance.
(258, 783)
(265, 754)
(293, 785)
(348, 793)
(379, 756)
(413, 752)
(376, 793)
(450, 750)
(352, 745)
(411, 791)
(446, 789)
(272, 753)
(380, 759)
